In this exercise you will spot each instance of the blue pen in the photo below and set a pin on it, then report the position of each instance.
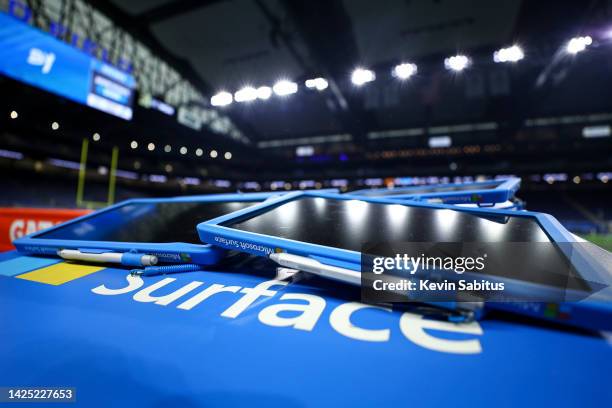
(163, 270)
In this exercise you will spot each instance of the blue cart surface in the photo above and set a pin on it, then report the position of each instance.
(247, 335)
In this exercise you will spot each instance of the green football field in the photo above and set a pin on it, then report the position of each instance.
(603, 240)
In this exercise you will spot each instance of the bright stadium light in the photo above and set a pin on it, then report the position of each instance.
(404, 71)
(183, 150)
(510, 54)
(167, 148)
(96, 137)
(282, 88)
(456, 63)
(134, 144)
(151, 147)
(319, 83)
(213, 154)
(246, 94)
(578, 44)
(54, 125)
(14, 115)
(199, 152)
(362, 76)
(221, 99)
(264, 92)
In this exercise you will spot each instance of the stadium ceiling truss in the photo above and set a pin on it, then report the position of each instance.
(82, 25)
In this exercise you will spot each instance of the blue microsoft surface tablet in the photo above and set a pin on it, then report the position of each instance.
(331, 229)
(482, 193)
(161, 227)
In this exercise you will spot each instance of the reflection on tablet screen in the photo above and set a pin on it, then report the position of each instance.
(154, 222)
(349, 224)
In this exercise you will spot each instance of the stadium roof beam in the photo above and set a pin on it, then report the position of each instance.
(173, 9)
(555, 22)
(326, 28)
(143, 33)
(277, 28)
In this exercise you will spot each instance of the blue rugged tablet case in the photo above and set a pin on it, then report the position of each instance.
(174, 252)
(471, 193)
(596, 312)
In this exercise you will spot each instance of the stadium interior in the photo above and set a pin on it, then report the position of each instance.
(294, 95)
